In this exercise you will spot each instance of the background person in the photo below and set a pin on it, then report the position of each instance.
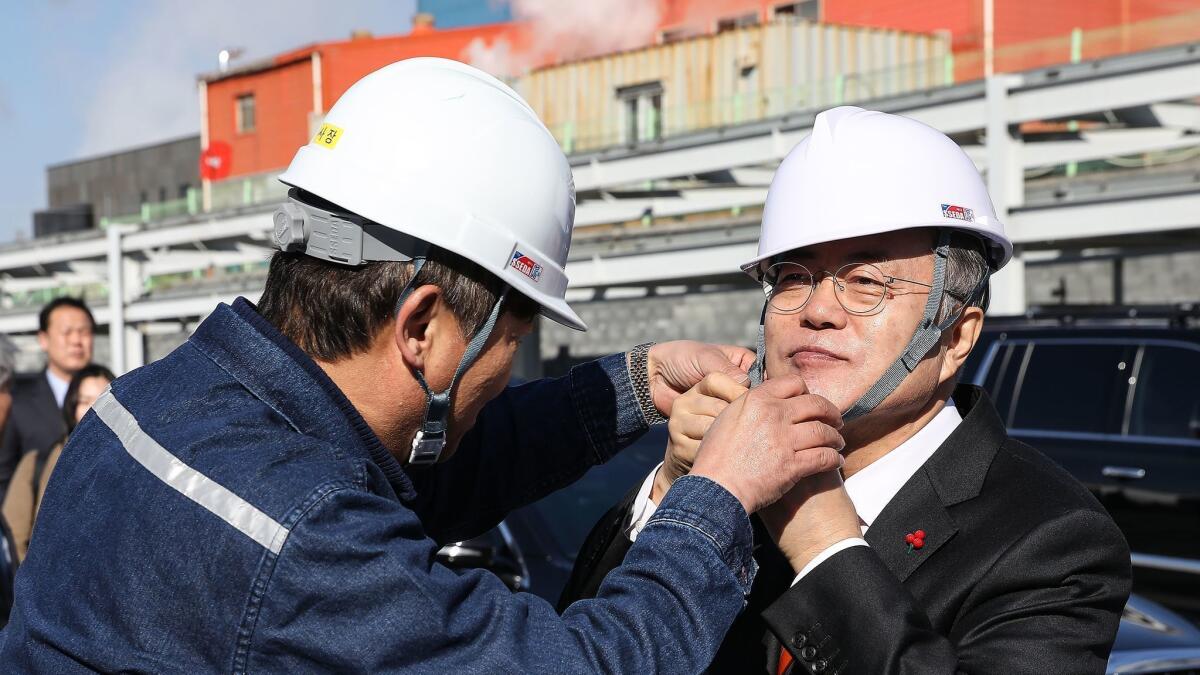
(29, 481)
(8, 555)
(65, 333)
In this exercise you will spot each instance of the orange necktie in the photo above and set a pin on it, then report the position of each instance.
(785, 660)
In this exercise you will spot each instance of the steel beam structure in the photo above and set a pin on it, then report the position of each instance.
(721, 170)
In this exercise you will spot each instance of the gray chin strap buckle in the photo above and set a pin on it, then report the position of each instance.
(427, 447)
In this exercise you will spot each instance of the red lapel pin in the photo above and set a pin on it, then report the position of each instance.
(915, 540)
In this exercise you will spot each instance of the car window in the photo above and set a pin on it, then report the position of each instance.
(970, 368)
(1002, 376)
(1167, 397)
(572, 511)
(1071, 387)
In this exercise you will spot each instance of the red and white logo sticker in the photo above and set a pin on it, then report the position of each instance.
(526, 265)
(958, 212)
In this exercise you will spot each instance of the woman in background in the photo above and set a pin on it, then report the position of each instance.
(33, 472)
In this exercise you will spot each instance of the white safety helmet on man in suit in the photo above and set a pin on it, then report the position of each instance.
(862, 173)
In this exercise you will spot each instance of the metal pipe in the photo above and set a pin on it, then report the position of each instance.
(989, 38)
(116, 300)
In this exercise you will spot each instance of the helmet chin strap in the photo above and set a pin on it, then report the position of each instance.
(430, 439)
(926, 336)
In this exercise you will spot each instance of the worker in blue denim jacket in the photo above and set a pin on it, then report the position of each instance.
(271, 496)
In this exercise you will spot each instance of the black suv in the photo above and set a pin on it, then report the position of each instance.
(1114, 397)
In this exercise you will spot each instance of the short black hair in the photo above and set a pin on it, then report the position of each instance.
(966, 266)
(65, 301)
(71, 399)
(333, 311)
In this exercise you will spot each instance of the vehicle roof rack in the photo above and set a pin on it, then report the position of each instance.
(1182, 315)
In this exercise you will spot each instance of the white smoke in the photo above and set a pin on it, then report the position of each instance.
(566, 30)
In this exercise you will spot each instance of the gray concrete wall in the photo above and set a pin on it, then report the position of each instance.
(114, 184)
(1148, 279)
(1167, 278)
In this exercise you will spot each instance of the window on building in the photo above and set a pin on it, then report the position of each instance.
(244, 109)
(642, 107)
(734, 22)
(183, 190)
(1167, 402)
(809, 10)
(673, 35)
(162, 194)
(1072, 387)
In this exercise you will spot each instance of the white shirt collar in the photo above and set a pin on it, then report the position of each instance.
(874, 485)
(58, 386)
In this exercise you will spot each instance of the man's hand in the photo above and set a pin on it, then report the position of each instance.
(814, 515)
(691, 416)
(770, 438)
(675, 367)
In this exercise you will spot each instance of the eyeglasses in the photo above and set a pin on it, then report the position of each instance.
(860, 288)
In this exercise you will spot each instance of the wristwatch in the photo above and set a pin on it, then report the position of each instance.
(639, 376)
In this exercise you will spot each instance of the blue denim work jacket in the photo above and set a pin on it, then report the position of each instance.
(226, 509)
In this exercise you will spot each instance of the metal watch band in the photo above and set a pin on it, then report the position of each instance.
(640, 378)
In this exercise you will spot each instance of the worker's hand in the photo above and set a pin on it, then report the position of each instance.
(814, 515)
(691, 416)
(770, 438)
(674, 367)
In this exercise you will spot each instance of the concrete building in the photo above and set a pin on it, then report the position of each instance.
(140, 184)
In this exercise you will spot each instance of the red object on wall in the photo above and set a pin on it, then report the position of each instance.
(216, 160)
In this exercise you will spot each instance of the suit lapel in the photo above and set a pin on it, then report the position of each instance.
(954, 474)
(45, 396)
(916, 507)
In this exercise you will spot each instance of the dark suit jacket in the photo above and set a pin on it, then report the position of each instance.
(1022, 571)
(35, 423)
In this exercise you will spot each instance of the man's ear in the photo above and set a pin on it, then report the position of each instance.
(416, 325)
(959, 341)
(43, 340)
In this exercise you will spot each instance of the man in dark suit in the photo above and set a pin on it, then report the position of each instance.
(942, 545)
(65, 332)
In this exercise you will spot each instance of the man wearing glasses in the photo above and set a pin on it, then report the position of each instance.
(942, 545)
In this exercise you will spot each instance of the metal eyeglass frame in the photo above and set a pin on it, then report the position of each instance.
(815, 278)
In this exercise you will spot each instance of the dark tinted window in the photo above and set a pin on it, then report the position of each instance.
(572, 511)
(1002, 376)
(975, 359)
(1071, 387)
(1167, 401)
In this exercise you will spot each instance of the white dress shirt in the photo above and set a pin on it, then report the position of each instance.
(58, 386)
(870, 489)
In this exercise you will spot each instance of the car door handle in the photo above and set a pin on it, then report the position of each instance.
(1123, 472)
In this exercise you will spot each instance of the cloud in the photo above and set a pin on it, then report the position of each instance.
(147, 91)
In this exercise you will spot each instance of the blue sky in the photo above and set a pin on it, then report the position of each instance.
(86, 77)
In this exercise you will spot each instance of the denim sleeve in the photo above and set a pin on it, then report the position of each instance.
(356, 589)
(530, 441)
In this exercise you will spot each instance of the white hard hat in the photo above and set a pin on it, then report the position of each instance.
(862, 172)
(449, 155)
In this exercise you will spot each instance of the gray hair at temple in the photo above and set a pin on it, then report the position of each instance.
(8, 363)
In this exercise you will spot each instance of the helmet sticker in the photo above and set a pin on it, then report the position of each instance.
(328, 136)
(526, 265)
(958, 213)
